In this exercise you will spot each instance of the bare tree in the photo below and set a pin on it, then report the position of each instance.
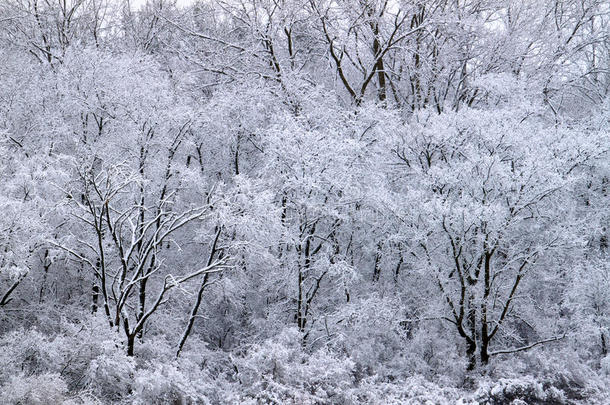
(130, 245)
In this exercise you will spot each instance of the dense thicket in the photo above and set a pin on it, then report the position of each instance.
(304, 201)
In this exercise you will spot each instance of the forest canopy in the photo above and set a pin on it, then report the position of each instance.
(304, 201)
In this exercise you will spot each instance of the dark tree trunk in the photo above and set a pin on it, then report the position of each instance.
(471, 352)
(204, 283)
(131, 340)
(484, 352)
(95, 297)
(142, 298)
(379, 67)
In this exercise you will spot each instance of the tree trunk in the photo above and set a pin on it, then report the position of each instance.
(484, 352)
(379, 67)
(300, 318)
(376, 267)
(192, 318)
(142, 299)
(471, 352)
(96, 294)
(131, 340)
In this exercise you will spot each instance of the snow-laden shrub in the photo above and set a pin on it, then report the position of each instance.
(22, 352)
(565, 370)
(528, 389)
(414, 390)
(425, 356)
(605, 365)
(110, 374)
(43, 389)
(198, 376)
(280, 371)
(164, 384)
(87, 356)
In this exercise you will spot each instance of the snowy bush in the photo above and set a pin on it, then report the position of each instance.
(43, 389)
(413, 390)
(605, 365)
(280, 370)
(525, 389)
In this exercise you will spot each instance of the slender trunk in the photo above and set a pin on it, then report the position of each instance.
(484, 352)
(204, 283)
(485, 337)
(379, 67)
(300, 320)
(302, 300)
(142, 308)
(471, 352)
(101, 265)
(236, 156)
(45, 265)
(472, 345)
(131, 340)
(398, 266)
(193, 316)
(376, 267)
(95, 296)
